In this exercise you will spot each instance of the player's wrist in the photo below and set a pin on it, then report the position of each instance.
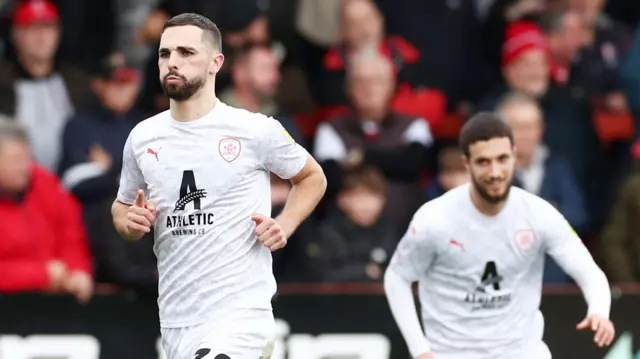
(288, 225)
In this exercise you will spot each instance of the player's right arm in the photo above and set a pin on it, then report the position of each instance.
(413, 257)
(132, 215)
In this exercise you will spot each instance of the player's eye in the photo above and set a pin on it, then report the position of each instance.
(163, 55)
(186, 53)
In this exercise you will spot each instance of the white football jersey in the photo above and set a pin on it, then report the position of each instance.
(208, 177)
(480, 277)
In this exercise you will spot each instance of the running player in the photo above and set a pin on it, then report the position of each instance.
(199, 175)
(478, 253)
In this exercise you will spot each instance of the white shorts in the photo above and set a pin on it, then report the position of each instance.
(242, 334)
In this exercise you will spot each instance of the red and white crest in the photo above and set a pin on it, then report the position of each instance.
(229, 148)
(525, 239)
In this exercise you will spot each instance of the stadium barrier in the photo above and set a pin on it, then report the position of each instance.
(313, 321)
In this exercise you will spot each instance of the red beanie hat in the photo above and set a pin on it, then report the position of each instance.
(521, 36)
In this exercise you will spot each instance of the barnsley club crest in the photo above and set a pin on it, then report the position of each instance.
(525, 239)
(229, 149)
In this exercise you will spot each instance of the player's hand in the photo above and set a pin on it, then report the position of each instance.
(269, 232)
(425, 356)
(141, 215)
(80, 285)
(605, 331)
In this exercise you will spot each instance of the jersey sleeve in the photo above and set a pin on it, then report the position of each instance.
(131, 179)
(279, 153)
(416, 251)
(566, 248)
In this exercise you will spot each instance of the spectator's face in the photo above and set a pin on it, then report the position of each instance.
(526, 122)
(451, 179)
(186, 62)
(529, 73)
(491, 164)
(37, 41)
(362, 205)
(362, 23)
(15, 166)
(263, 73)
(119, 96)
(371, 86)
(567, 41)
(588, 9)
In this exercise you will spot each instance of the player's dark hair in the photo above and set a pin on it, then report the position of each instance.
(210, 31)
(484, 126)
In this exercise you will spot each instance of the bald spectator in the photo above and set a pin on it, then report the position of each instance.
(37, 90)
(540, 171)
(362, 27)
(376, 136)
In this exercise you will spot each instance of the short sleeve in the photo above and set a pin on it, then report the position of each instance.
(280, 154)
(416, 251)
(131, 179)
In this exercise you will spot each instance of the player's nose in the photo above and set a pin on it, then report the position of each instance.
(174, 61)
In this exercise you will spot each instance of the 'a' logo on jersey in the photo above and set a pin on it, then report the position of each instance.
(189, 192)
(194, 223)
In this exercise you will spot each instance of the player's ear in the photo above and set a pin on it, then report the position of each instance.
(216, 63)
(465, 160)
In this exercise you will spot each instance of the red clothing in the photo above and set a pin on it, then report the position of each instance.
(46, 224)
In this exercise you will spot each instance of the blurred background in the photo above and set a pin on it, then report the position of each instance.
(376, 90)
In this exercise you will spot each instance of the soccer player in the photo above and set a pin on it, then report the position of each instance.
(198, 174)
(478, 253)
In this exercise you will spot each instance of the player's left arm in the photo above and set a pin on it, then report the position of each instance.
(288, 160)
(564, 245)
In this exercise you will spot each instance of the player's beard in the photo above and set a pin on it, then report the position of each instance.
(184, 91)
(484, 193)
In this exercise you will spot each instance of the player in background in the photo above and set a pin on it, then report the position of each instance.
(199, 175)
(477, 253)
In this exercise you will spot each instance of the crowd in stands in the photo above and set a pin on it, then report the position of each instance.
(376, 90)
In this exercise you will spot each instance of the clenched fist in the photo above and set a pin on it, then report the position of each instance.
(269, 232)
(141, 216)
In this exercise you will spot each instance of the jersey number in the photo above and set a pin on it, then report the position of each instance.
(490, 275)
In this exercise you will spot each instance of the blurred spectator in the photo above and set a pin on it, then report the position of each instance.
(37, 90)
(376, 136)
(620, 245)
(90, 169)
(362, 28)
(525, 64)
(540, 171)
(357, 240)
(255, 78)
(501, 14)
(94, 138)
(569, 108)
(43, 244)
(451, 172)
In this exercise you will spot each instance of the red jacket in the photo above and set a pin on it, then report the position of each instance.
(45, 225)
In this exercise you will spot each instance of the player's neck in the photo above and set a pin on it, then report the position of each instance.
(485, 207)
(194, 108)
